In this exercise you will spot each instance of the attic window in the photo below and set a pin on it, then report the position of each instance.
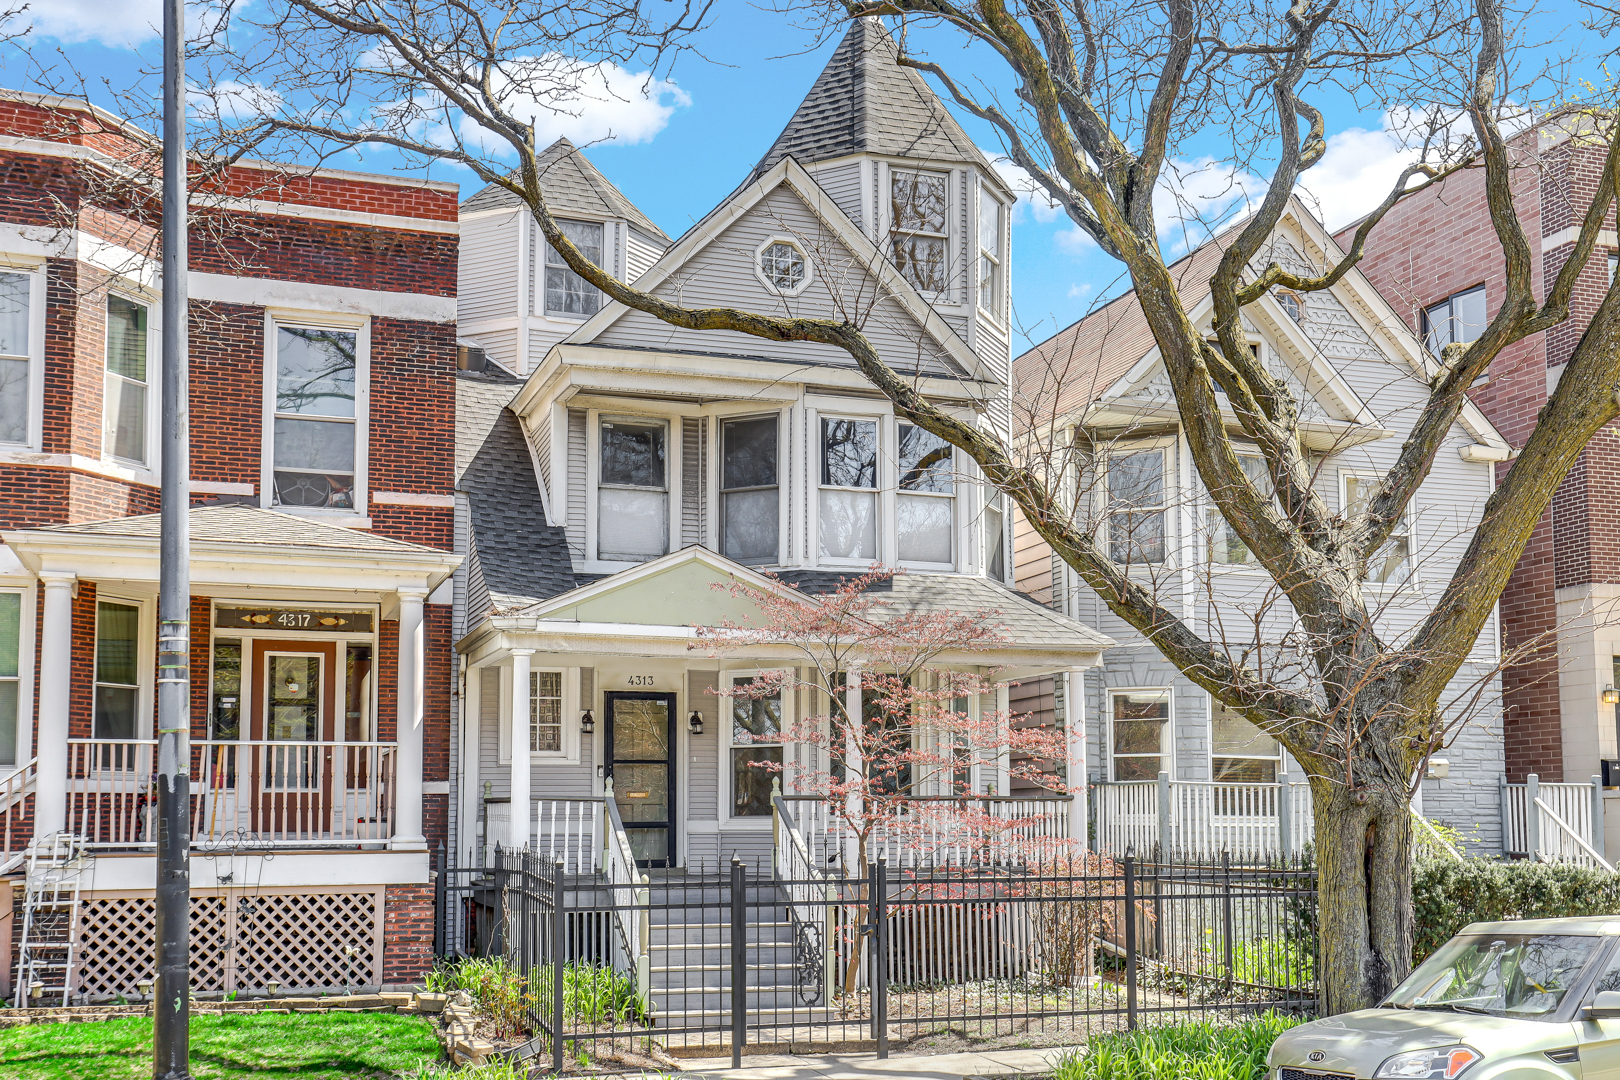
(783, 265)
(1293, 304)
(917, 206)
(567, 293)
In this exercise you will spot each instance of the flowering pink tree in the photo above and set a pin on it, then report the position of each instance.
(895, 749)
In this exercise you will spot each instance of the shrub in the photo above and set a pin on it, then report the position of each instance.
(1448, 895)
(1198, 1049)
(499, 990)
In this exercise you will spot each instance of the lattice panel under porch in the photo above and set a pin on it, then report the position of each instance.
(239, 940)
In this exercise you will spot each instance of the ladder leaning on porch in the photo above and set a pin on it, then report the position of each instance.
(50, 930)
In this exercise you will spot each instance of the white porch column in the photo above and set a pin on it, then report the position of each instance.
(472, 714)
(55, 677)
(854, 715)
(408, 724)
(1074, 720)
(522, 804)
(1004, 754)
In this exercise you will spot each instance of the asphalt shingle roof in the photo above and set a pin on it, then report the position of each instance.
(520, 558)
(572, 185)
(250, 525)
(864, 102)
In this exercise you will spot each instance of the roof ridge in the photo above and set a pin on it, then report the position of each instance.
(562, 150)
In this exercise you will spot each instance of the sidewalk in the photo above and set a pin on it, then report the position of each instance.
(855, 1066)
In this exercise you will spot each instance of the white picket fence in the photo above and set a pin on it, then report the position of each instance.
(1262, 821)
(1554, 822)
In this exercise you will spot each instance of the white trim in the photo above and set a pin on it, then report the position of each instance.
(1167, 739)
(568, 731)
(1407, 528)
(311, 298)
(797, 245)
(24, 739)
(219, 487)
(958, 558)
(1570, 233)
(883, 509)
(715, 433)
(352, 515)
(313, 212)
(594, 418)
(145, 657)
(34, 422)
(154, 379)
(412, 498)
(725, 793)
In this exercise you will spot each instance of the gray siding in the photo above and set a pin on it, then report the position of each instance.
(639, 255)
(539, 437)
(703, 775)
(694, 479)
(487, 285)
(490, 769)
(577, 444)
(843, 184)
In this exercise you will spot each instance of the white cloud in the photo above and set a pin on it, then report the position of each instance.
(117, 24)
(1079, 292)
(233, 101)
(1030, 195)
(586, 103)
(1196, 197)
(1356, 172)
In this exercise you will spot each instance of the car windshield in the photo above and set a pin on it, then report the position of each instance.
(1519, 975)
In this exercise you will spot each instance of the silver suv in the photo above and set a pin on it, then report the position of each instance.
(1519, 1000)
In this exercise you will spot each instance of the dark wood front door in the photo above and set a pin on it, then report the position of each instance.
(640, 744)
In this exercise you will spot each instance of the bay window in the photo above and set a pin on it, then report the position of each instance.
(1389, 563)
(124, 406)
(1225, 547)
(567, 293)
(10, 675)
(749, 491)
(918, 206)
(632, 520)
(847, 506)
(1140, 721)
(15, 360)
(925, 509)
(1136, 507)
(314, 426)
(1241, 753)
(117, 690)
(995, 536)
(990, 271)
(756, 736)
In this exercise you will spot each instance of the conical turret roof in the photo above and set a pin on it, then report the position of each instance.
(572, 185)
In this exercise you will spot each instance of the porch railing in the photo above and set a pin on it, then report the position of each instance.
(943, 830)
(18, 825)
(632, 925)
(1198, 819)
(569, 831)
(1554, 822)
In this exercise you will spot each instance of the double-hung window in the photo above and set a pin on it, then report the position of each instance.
(10, 675)
(756, 736)
(925, 509)
(118, 690)
(1225, 547)
(567, 293)
(1136, 506)
(1456, 320)
(995, 536)
(847, 510)
(1140, 721)
(991, 274)
(632, 519)
(1241, 753)
(315, 434)
(918, 207)
(545, 712)
(749, 512)
(124, 407)
(15, 360)
(1391, 562)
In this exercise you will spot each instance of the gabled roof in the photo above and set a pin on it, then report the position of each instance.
(864, 102)
(248, 525)
(572, 186)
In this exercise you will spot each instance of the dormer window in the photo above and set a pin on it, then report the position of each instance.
(568, 294)
(918, 204)
(1293, 305)
(782, 265)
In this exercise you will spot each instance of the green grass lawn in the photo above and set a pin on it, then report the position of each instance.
(330, 1046)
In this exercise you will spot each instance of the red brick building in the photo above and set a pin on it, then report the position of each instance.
(322, 393)
(1438, 262)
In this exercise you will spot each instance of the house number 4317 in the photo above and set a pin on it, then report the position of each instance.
(640, 680)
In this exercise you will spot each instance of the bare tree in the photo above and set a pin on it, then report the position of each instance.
(1103, 93)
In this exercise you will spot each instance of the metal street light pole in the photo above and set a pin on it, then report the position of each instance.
(171, 1005)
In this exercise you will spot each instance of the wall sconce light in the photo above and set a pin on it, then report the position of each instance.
(694, 723)
(587, 723)
(1611, 695)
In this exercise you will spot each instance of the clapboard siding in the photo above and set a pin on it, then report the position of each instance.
(501, 346)
(640, 253)
(539, 436)
(703, 783)
(487, 280)
(723, 275)
(1032, 565)
(843, 184)
(694, 479)
(576, 483)
(491, 770)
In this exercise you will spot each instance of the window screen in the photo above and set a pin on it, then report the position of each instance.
(749, 518)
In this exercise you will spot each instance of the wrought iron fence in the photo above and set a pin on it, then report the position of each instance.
(744, 958)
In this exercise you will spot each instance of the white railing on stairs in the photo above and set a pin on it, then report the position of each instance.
(1578, 809)
(569, 831)
(17, 830)
(631, 899)
(811, 894)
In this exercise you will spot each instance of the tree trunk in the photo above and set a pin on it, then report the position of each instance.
(1364, 891)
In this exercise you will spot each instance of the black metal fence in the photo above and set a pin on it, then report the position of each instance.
(962, 956)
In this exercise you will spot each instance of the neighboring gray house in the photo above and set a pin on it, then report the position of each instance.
(1362, 376)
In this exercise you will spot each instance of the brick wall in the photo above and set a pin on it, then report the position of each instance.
(328, 253)
(82, 694)
(227, 392)
(407, 933)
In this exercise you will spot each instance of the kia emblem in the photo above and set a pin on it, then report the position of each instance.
(1315, 1055)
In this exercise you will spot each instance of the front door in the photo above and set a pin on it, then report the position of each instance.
(294, 702)
(640, 752)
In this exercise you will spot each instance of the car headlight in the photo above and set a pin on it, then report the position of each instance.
(1441, 1063)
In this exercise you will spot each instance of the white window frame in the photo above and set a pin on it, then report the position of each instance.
(1406, 528)
(728, 795)
(25, 678)
(1425, 330)
(945, 295)
(883, 492)
(154, 368)
(955, 497)
(593, 485)
(998, 310)
(716, 437)
(1167, 739)
(1207, 535)
(1166, 446)
(569, 743)
(361, 327)
(1280, 758)
(988, 496)
(145, 658)
(542, 252)
(798, 245)
(36, 270)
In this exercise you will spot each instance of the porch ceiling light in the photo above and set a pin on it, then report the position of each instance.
(1611, 695)
(694, 723)
(587, 723)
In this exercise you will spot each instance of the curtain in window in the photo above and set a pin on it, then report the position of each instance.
(632, 523)
(925, 506)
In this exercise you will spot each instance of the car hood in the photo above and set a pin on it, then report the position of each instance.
(1358, 1042)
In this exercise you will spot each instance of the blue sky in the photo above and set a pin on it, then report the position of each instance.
(687, 144)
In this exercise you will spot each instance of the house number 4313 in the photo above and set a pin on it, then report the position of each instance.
(640, 680)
